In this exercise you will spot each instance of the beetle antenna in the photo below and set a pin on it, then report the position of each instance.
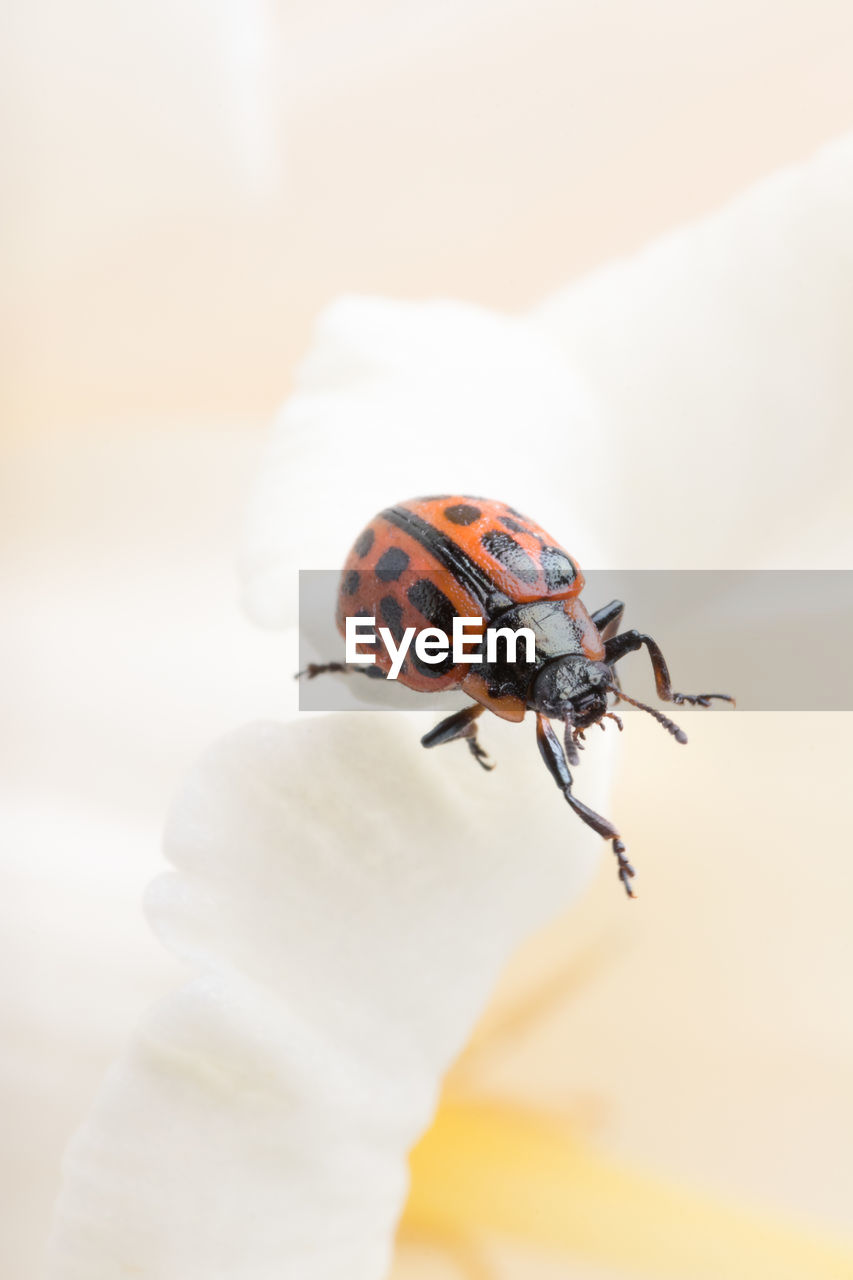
(669, 725)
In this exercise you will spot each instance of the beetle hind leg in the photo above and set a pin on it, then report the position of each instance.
(462, 724)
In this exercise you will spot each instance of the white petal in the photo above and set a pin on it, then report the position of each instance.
(399, 399)
(347, 902)
(720, 358)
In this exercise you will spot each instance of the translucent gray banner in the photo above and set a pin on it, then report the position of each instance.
(776, 640)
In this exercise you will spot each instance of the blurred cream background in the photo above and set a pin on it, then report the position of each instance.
(188, 183)
(186, 186)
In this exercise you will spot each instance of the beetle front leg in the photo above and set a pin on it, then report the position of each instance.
(552, 754)
(630, 642)
(460, 725)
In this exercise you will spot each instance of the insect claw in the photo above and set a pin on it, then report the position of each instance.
(701, 699)
(626, 871)
(481, 756)
(320, 668)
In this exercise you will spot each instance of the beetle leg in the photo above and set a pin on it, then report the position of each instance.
(346, 668)
(629, 642)
(460, 725)
(570, 742)
(552, 754)
(607, 620)
(608, 617)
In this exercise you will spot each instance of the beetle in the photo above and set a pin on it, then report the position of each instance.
(426, 561)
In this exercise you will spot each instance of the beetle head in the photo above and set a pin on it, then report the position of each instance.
(572, 688)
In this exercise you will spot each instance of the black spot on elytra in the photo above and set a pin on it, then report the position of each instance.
(513, 525)
(363, 543)
(439, 612)
(560, 573)
(392, 616)
(375, 673)
(391, 564)
(432, 670)
(510, 554)
(462, 513)
(433, 604)
(351, 582)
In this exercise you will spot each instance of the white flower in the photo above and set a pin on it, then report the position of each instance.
(345, 901)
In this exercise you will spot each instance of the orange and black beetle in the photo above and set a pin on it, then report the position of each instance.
(426, 561)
